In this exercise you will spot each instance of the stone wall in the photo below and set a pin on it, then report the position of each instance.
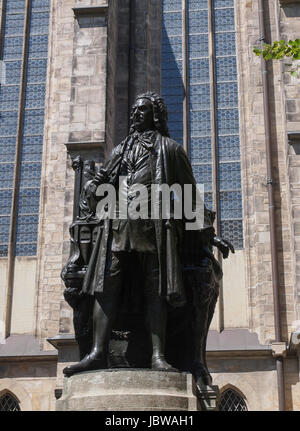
(117, 73)
(289, 17)
(146, 61)
(88, 101)
(134, 50)
(23, 306)
(56, 187)
(3, 288)
(254, 377)
(254, 173)
(87, 107)
(75, 112)
(33, 383)
(283, 91)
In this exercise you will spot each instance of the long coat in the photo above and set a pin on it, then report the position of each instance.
(170, 165)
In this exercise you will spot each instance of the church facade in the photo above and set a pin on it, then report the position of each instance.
(70, 70)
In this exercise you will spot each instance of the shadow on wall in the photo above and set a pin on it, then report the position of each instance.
(296, 148)
(92, 22)
(291, 378)
(27, 369)
(291, 11)
(171, 83)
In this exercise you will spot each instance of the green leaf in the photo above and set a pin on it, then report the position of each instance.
(280, 55)
(268, 56)
(279, 50)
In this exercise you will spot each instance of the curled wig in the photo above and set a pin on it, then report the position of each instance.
(160, 113)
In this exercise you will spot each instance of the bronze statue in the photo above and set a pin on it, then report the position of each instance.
(174, 267)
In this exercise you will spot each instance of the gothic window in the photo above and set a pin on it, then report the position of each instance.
(232, 401)
(23, 52)
(8, 403)
(199, 84)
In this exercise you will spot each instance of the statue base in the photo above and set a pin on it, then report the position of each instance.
(133, 390)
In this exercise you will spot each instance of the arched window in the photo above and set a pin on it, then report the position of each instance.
(232, 401)
(8, 403)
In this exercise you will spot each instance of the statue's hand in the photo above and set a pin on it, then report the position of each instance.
(101, 177)
(223, 245)
(90, 188)
(88, 199)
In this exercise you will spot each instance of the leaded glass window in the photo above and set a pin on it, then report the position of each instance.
(199, 104)
(200, 80)
(32, 56)
(232, 401)
(8, 403)
(172, 65)
(228, 123)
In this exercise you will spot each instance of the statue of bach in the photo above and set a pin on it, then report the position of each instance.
(156, 248)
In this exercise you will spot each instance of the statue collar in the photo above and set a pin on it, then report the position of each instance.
(147, 138)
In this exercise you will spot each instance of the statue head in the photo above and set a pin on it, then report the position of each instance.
(149, 112)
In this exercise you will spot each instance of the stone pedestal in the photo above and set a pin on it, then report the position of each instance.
(130, 389)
